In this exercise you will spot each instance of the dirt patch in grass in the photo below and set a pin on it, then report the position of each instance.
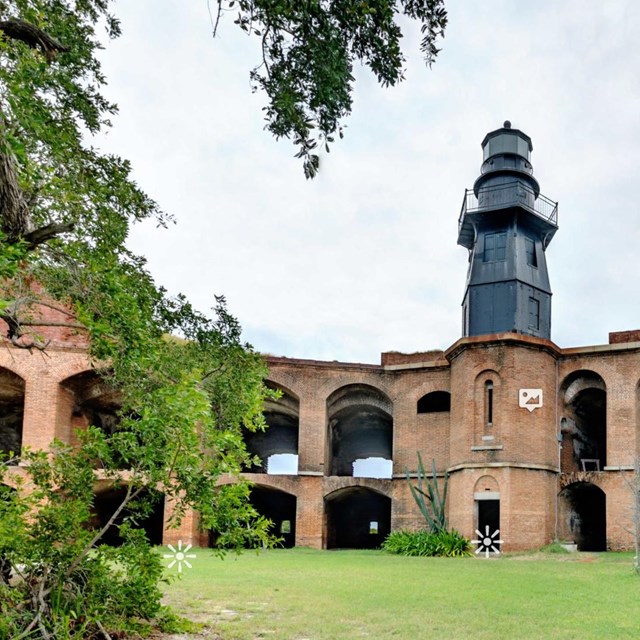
(204, 634)
(578, 556)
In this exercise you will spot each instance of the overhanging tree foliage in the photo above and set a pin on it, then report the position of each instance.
(308, 52)
(65, 212)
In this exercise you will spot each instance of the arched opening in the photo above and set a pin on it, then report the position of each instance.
(584, 422)
(11, 413)
(150, 519)
(274, 504)
(583, 516)
(357, 518)
(360, 433)
(279, 507)
(435, 402)
(486, 495)
(277, 446)
(94, 402)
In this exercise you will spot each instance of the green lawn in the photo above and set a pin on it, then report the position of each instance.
(300, 594)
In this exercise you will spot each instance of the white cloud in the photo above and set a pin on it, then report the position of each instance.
(363, 259)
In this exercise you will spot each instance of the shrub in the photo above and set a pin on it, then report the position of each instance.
(425, 543)
(554, 547)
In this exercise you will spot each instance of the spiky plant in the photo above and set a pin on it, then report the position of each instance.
(427, 495)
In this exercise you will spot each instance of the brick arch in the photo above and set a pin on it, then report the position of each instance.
(487, 374)
(284, 380)
(10, 376)
(370, 486)
(288, 484)
(354, 393)
(578, 381)
(289, 402)
(425, 387)
(326, 389)
(486, 483)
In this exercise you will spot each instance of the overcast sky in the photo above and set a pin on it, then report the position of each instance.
(364, 258)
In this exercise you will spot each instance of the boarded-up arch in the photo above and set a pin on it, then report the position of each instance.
(486, 484)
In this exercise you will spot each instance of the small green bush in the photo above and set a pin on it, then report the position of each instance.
(554, 547)
(448, 544)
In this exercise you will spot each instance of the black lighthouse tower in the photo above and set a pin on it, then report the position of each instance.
(507, 225)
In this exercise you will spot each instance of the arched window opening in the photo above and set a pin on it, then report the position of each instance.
(357, 518)
(488, 403)
(360, 433)
(435, 402)
(277, 446)
(107, 501)
(11, 414)
(583, 516)
(584, 423)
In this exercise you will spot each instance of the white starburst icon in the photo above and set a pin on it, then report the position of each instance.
(179, 556)
(487, 542)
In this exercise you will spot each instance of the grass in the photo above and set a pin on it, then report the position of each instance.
(302, 594)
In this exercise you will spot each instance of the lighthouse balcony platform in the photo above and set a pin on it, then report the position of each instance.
(508, 195)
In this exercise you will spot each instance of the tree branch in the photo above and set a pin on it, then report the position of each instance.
(33, 37)
(43, 234)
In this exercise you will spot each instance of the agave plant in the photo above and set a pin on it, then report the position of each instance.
(428, 497)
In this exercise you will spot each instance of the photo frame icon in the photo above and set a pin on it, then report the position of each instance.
(530, 399)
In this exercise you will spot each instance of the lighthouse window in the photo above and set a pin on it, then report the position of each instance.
(495, 247)
(534, 313)
(530, 246)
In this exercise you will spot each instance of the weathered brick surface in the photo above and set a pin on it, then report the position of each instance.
(617, 337)
(517, 456)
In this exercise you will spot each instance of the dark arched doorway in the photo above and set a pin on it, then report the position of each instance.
(357, 518)
(150, 519)
(583, 516)
(11, 413)
(279, 507)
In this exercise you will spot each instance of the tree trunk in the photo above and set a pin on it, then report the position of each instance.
(14, 212)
